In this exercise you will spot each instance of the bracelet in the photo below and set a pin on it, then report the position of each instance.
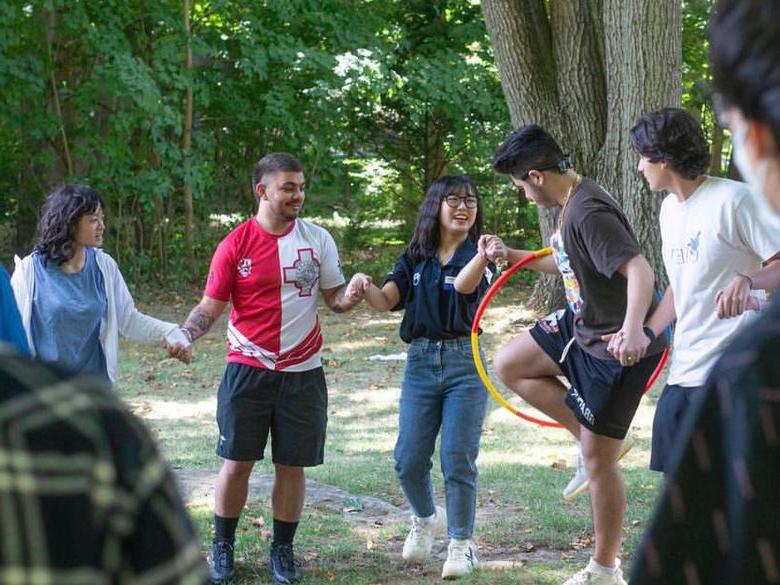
(187, 333)
(743, 275)
(649, 333)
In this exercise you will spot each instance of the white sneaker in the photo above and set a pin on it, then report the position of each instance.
(594, 575)
(579, 483)
(461, 559)
(419, 541)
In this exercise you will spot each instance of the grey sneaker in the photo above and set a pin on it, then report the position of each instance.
(221, 568)
(419, 541)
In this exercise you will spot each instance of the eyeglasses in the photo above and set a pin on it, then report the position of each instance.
(455, 201)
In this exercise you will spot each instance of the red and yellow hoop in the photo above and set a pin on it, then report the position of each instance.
(492, 291)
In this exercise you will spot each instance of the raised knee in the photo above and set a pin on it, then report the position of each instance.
(504, 365)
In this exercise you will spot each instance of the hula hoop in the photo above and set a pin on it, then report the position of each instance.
(492, 291)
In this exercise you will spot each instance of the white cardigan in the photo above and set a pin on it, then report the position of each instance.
(121, 314)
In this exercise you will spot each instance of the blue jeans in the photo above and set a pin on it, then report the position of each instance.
(441, 389)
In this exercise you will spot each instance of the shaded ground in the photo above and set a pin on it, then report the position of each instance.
(367, 515)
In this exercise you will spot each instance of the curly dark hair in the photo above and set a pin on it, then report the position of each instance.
(60, 215)
(427, 231)
(673, 135)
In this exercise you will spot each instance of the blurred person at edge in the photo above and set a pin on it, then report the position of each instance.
(724, 475)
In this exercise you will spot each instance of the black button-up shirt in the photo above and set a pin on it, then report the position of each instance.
(434, 309)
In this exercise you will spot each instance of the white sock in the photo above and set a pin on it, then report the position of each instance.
(428, 519)
(601, 569)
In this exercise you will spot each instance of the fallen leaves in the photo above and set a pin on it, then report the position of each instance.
(582, 541)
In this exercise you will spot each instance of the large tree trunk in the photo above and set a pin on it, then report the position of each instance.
(586, 71)
(522, 44)
(643, 50)
(716, 151)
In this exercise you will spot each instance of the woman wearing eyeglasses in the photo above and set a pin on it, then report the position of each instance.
(441, 390)
(73, 301)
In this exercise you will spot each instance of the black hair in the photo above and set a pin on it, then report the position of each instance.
(672, 135)
(745, 57)
(529, 148)
(59, 218)
(273, 163)
(426, 237)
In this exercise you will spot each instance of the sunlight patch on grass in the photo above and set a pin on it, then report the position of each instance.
(535, 456)
(176, 410)
(353, 344)
(504, 319)
(374, 397)
(390, 319)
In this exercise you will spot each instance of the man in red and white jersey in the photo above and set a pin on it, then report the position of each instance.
(272, 267)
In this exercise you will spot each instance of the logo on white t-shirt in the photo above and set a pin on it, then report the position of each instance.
(690, 253)
(245, 267)
(304, 272)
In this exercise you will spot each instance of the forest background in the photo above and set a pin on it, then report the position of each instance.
(165, 106)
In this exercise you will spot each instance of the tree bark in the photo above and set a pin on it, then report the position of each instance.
(643, 50)
(586, 72)
(522, 44)
(716, 151)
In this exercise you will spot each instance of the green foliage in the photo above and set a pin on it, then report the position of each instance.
(377, 98)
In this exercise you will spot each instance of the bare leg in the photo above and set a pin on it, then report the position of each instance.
(607, 494)
(232, 486)
(531, 374)
(288, 493)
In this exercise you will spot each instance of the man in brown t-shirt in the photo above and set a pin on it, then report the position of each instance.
(609, 287)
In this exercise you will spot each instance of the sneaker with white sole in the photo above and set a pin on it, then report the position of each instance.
(579, 482)
(461, 559)
(419, 541)
(594, 575)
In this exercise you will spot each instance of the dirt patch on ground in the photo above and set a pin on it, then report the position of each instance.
(368, 515)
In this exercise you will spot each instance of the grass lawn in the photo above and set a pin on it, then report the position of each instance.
(523, 468)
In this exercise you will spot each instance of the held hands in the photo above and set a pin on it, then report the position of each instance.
(735, 299)
(628, 346)
(358, 287)
(178, 345)
(492, 248)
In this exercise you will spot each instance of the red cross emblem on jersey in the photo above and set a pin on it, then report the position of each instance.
(304, 272)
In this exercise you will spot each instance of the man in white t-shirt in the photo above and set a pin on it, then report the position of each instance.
(714, 244)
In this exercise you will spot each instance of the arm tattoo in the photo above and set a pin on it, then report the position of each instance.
(198, 323)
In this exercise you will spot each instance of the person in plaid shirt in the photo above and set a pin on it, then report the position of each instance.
(85, 497)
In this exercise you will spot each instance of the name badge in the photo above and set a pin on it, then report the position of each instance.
(449, 283)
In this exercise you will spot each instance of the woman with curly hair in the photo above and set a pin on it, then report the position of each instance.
(72, 297)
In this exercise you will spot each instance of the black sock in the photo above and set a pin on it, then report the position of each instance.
(284, 532)
(225, 528)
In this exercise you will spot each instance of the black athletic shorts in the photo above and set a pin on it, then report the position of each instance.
(291, 406)
(604, 395)
(670, 412)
